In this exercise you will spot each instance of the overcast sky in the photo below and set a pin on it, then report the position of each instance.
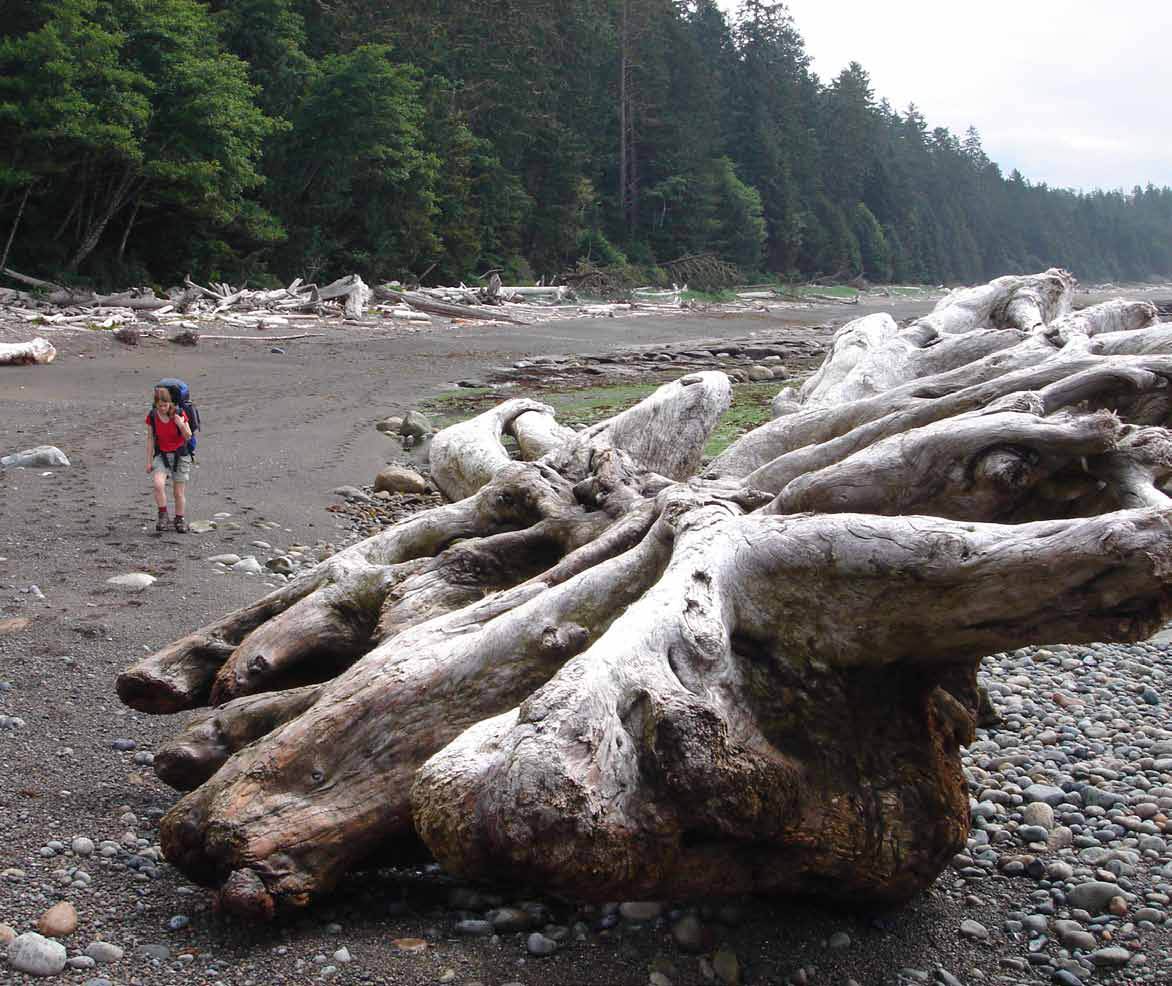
(1075, 94)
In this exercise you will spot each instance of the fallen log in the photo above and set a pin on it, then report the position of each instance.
(432, 307)
(34, 351)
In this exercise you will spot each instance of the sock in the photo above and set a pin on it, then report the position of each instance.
(162, 511)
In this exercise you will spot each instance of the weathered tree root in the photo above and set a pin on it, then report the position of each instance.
(595, 672)
(666, 761)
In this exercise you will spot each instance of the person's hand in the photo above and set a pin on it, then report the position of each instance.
(150, 466)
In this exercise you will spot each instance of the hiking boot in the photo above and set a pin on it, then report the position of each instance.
(180, 525)
(163, 523)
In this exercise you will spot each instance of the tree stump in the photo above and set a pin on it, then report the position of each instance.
(599, 672)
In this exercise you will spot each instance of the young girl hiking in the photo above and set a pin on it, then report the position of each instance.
(166, 438)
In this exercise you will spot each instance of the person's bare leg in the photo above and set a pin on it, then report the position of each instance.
(180, 498)
(159, 482)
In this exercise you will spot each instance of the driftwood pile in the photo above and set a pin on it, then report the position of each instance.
(185, 311)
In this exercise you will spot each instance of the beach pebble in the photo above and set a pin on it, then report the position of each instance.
(1094, 896)
(399, 479)
(58, 921)
(103, 952)
(415, 425)
(132, 581)
(973, 929)
(640, 910)
(36, 955)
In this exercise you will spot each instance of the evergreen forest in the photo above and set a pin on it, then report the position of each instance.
(259, 140)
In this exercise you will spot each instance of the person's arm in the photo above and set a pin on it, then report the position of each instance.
(184, 427)
(150, 447)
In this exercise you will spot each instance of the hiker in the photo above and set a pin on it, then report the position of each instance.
(167, 455)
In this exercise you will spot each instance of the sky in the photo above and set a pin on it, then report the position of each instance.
(1074, 94)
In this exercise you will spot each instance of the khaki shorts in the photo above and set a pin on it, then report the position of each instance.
(182, 471)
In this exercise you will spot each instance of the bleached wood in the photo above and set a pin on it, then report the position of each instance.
(597, 673)
(38, 351)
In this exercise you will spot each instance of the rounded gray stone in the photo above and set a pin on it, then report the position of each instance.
(1093, 896)
(36, 955)
(103, 951)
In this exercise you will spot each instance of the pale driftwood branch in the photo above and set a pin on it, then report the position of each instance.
(424, 304)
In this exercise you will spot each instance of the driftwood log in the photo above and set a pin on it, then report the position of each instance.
(595, 671)
(36, 350)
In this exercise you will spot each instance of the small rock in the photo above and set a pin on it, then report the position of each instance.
(840, 939)
(390, 426)
(1073, 935)
(506, 920)
(36, 955)
(690, 935)
(1045, 793)
(538, 944)
(58, 921)
(282, 565)
(1111, 957)
(132, 581)
(399, 479)
(415, 425)
(1094, 896)
(974, 929)
(641, 910)
(103, 951)
(1038, 813)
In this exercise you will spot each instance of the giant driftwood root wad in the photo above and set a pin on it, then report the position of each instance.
(598, 671)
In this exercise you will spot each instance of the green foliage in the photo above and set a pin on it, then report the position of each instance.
(282, 138)
(115, 108)
(357, 185)
(874, 250)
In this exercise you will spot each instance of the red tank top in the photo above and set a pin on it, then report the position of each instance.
(168, 437)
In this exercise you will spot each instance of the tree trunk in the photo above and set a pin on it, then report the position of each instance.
(127, 228)
(15, 224)
(97, 224)
(596, 672)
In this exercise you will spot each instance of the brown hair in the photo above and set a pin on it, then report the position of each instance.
(163, 394)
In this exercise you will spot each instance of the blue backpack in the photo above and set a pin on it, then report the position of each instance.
(181, 395)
